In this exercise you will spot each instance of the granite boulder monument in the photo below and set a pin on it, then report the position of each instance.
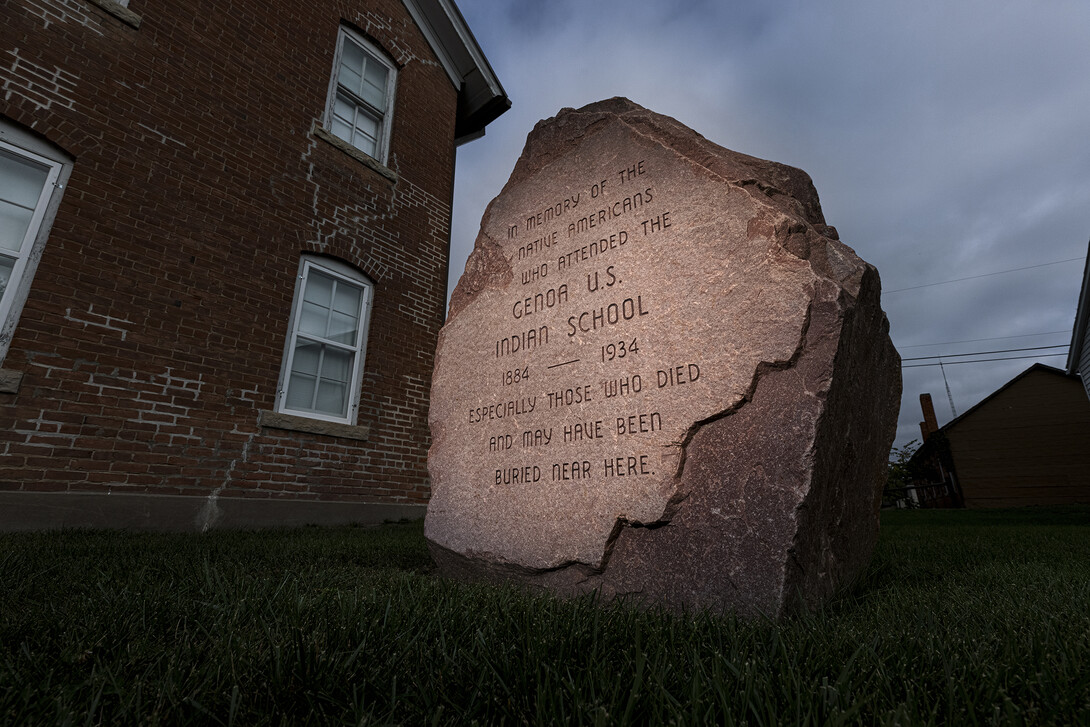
(662, 377)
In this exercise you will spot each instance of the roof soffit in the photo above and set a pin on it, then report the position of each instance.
(480, 92)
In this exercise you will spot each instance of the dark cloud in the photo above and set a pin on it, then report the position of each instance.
(946, 140)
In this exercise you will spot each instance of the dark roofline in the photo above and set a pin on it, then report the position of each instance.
(1035, 367)
(481, 98)
(1082, 315)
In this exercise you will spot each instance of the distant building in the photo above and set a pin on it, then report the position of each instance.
(1078, 356)
(1028, 443)
(224, 244)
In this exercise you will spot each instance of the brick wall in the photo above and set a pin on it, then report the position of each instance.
(152, 337)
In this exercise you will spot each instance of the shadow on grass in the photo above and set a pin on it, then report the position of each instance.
(964, 617)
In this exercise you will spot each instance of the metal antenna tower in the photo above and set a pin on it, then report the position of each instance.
(948, 394)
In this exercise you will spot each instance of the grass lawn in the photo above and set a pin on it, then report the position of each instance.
(962, 618)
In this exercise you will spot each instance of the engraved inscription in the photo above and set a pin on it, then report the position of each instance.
(608, 280)
(535, 273)
(641, 423)
(537, 245)
(537, 437)
(629, 466)
(553, 211)
(499, 410)
(619, 350)
(571, 470)
(540, 301)
(599, 217)
(592, 250)
(527, 341)
(624, 386)
(636, 170)
(607, 315)
(583, 430)
(589, 401)
(514, 376)
(657, 223)
(677, 375)
(518, 475)
(567, 397)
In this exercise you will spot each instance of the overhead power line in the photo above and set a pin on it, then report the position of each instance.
(992, 338)
(983, 275)
(984, 353)
(982, 360)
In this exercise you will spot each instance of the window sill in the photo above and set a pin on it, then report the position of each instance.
(368, 161)
(10, 381)
(293, 423)
(119, 11)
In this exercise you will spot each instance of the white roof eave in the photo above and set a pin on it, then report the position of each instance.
(461, 57)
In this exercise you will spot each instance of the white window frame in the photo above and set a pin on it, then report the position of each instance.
(345, 274)
(15, 140)
(386, 116)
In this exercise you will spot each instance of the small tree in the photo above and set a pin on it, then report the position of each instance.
(899, 475)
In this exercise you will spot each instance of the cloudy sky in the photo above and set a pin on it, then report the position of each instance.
(947, 140)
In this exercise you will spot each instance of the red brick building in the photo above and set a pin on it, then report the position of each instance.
(224, 242)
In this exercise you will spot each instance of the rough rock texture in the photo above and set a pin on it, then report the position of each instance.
(663, 377)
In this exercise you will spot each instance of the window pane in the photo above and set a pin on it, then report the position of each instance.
(336, 365)
(319, 288)
(367, 124)
(344, 109)
(366, 136)
(21, 183)
(376, 74)
(362, 82)
(364, 144)
(352, 58)
(375, 97)
(300, 391)
(347, 299)
(374, 85)
(331, 398)
(13, 225)
(326, 328)
(22, 180)
(313, 319)
(306, 358)
(342, 328)
(350, 79)
(317, 297)
(6, 267)
(342, 129)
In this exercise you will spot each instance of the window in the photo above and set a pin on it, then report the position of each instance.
(361, 95)
(32, 175)
(323, 358)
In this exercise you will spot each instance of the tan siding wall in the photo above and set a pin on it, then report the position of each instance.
(1084, 362)
(1029, 445)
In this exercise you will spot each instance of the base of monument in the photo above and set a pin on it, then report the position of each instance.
(34, 511)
